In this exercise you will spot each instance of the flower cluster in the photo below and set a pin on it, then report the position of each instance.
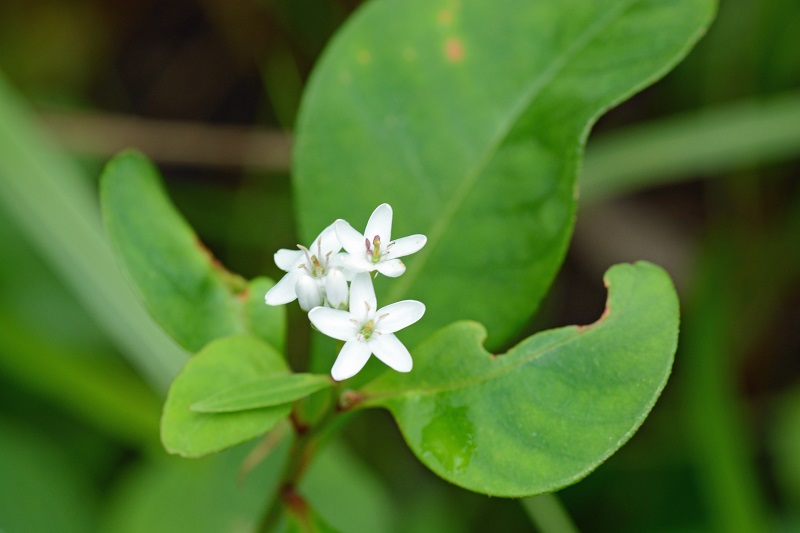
(318, 276)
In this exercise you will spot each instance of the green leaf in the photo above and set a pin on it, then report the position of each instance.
(264, 392)
(469, 118)
(550, 410)
(223, 364)
(267, 322)
(185, 288)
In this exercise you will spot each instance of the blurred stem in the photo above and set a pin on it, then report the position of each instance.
(55, 207)
(548, 514)
(721, 445)
(707, 142)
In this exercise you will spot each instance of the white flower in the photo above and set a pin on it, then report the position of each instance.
(367, 330)
(374, 250)
(311, 273)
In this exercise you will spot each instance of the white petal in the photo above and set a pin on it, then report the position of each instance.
(351, 240)
(357, 263)
(336, 288)
(363, 303)
(288, 259)
(380, 223)
(339, 261)
(284, 291)
(391, 268)
(326, 242)
(308, 293)
(333, 323)
(351, 359)
(406, 246)
(399, 315)
(391, 351)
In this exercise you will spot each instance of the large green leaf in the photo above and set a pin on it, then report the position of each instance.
(186, 290)
(223, 364)
(550, 410)
(470, 119)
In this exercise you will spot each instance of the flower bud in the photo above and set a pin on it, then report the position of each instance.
(308, 293)
(336, 289)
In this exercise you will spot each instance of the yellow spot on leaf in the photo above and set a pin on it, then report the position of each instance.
(363, 57)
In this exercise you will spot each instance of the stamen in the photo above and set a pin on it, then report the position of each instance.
(376, 253)
(366, 242)
(305, 251)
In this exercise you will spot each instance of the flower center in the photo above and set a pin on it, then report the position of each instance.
(368, 328)
(314, 266)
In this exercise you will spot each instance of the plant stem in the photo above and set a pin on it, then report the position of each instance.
(307, 442)
(548, 514)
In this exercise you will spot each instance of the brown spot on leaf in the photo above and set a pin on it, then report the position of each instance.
(454, 50)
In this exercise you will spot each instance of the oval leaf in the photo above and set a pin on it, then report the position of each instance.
(470, 119)
(225, 363)
(264, 392)
(185, 289)
(549, 411)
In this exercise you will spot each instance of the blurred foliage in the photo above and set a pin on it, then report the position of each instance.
(78, 425)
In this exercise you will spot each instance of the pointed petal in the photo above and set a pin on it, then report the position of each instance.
(406, 246)
(391, 351)
(391, 268)
(380, 223)
(288, 259)
(326, 242)
(333, 323)
(399, 315)
(363, 303)
(308, 293)
(336, 288)
(284, 291)
(351, 240)
(357, 263)
(351, 359)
